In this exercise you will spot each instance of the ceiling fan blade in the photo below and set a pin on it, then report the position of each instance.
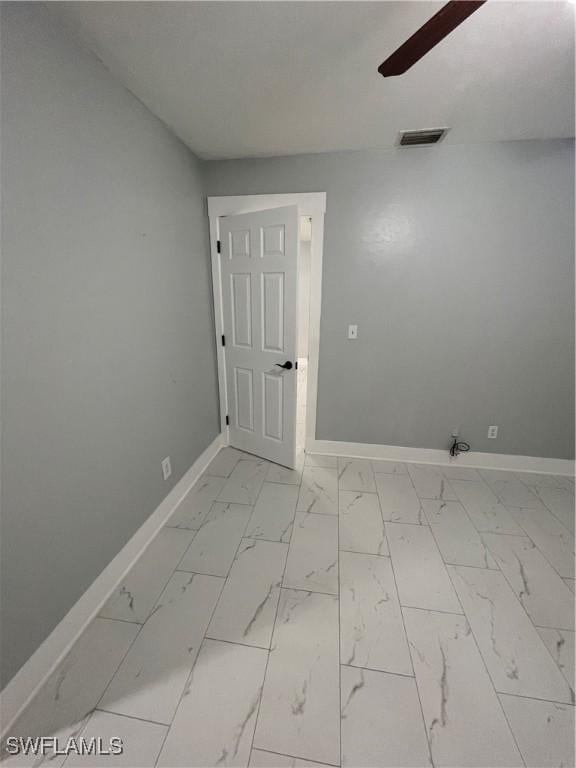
(429, 35)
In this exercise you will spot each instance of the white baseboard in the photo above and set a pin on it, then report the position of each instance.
(472, 459)
(29, 679)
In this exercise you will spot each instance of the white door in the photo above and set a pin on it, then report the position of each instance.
(258, 259)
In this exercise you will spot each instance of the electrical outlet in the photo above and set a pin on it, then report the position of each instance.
(456, 432)
(166, 468)
(352, 331)
(492, 432)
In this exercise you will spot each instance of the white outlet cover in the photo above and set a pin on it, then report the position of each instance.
(352, 331)
(493, 432)
(166, 468)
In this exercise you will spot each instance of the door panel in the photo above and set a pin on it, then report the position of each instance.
(239, 243)
(259, 265)
(273, 312)
(273, 398)
(241, 296)
(273, 241)
(244, 396)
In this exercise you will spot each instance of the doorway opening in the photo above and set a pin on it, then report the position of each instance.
(304, 268)
(272, 392)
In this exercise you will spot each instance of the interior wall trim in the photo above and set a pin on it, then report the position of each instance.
(312, 204)
(472, 459)
(20, 691)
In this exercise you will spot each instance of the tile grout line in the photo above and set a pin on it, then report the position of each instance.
(535, 492)
(468, 622)
(141, 626)
(479, 533)
(365, 554)
(381, 671)
(295, 757)
(289, 543)
(125, 621)
(386, 539)
(476, 643)
(224, 581)
(421, 509)
(539, 499)
(570, 535)
(548, 651)
(533, 698)
(162, 588)
(496, 533)
(235, 642)
(131, 717)
(166, 725)
(519, 599)
(430, 756)
(515, 477)
(319, 514)
(499, 570)
(196, 531)
(555, 629)
(510, 507)
(432, 610)
(191, 672)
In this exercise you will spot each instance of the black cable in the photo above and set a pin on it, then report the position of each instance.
(458, 447)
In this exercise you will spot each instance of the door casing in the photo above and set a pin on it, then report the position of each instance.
(312, 204)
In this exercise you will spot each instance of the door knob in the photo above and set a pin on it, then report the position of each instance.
(287, 365)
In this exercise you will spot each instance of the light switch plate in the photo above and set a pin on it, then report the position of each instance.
(352, 331)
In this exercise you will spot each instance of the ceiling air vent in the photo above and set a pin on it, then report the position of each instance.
(421, 138)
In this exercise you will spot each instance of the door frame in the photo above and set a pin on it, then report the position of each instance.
(312, 204)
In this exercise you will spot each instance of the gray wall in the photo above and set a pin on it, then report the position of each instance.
(108, 361)
(456, 262)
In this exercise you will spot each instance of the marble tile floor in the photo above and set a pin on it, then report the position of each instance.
(345, 613)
